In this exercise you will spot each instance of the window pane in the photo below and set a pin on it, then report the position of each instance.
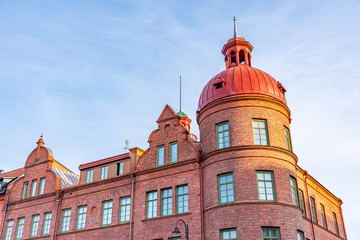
(81, 217)
(125, 209)
(42, 186)
(25, 189)
(65, 221)
(160, 156)
(8, 230)
(151, 206)
(173, 152)
(104, 172)
(228, 234)
(294, 191)
(313, 210)
(47, 223)
(226, 188)
(260, 132)
(270, 233)
(182, 199)
(20, 228)
(33, 188)
(265, 186)
(222, 135)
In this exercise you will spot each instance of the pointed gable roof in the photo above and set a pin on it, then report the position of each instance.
(167, 113)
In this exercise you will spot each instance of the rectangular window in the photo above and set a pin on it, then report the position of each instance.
(222, 135)
(313, 210)
(270, 233)
(19, 228)
(174, 238)
(42, 186)
(323, 215)
(182, 199)
(119, 168)
(287, 139)
(302, 204)
(166, 202)
(106, 213)
(226, 188)
(173, 152)
(47, 223)
(25, 189)
(160, 155)
(228, 234)
(104, 172)
(151, 204)
(260, 132)
(81, 217)
(335, 224)
(8, 230)
(125, 203)
(266, 188)
(300, 235)
(89, 176)
(33, 188)
(294, 191)
(65, 220)
(34, 225)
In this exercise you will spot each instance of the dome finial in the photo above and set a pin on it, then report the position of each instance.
(235, 29)
(40, 142)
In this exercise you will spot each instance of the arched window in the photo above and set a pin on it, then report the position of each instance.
(233, 58)
(242, 57)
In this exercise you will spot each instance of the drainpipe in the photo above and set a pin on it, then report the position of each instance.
(4, 211)
(132, 204)
(342, 218)
(308, 197)
(201, 198)
(58, 202)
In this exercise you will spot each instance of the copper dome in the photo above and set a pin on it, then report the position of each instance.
(241, 80)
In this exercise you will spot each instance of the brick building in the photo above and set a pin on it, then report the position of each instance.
(241, 180)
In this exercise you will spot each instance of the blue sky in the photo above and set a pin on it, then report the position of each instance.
(90, 74)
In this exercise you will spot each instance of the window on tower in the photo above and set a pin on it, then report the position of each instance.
(266, 188)
(294, 195)
(260, 132)
(287, 138)
(228, 234)
(270, 233)
(222, 134)
(242, 57)
(226, 188)
(232, 58)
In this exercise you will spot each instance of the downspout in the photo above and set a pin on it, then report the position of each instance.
(342, 218)
(132, 204)
(6, 201)
(201, 198)
(58, 202)
(309, 204)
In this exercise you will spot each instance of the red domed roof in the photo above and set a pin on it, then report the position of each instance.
(241, 80)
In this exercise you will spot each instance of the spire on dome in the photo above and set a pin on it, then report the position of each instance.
(40, 142)
(235, 29)
(181, 113)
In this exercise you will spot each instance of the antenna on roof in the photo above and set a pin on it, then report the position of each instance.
(235, 29)
(126, 145)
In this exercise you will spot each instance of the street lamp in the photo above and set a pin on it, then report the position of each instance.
(176, 230)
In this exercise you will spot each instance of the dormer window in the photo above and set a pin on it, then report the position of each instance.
(219, 83)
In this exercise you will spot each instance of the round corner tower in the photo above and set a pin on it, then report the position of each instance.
(247, 159)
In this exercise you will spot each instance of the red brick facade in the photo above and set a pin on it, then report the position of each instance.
(142, 194)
